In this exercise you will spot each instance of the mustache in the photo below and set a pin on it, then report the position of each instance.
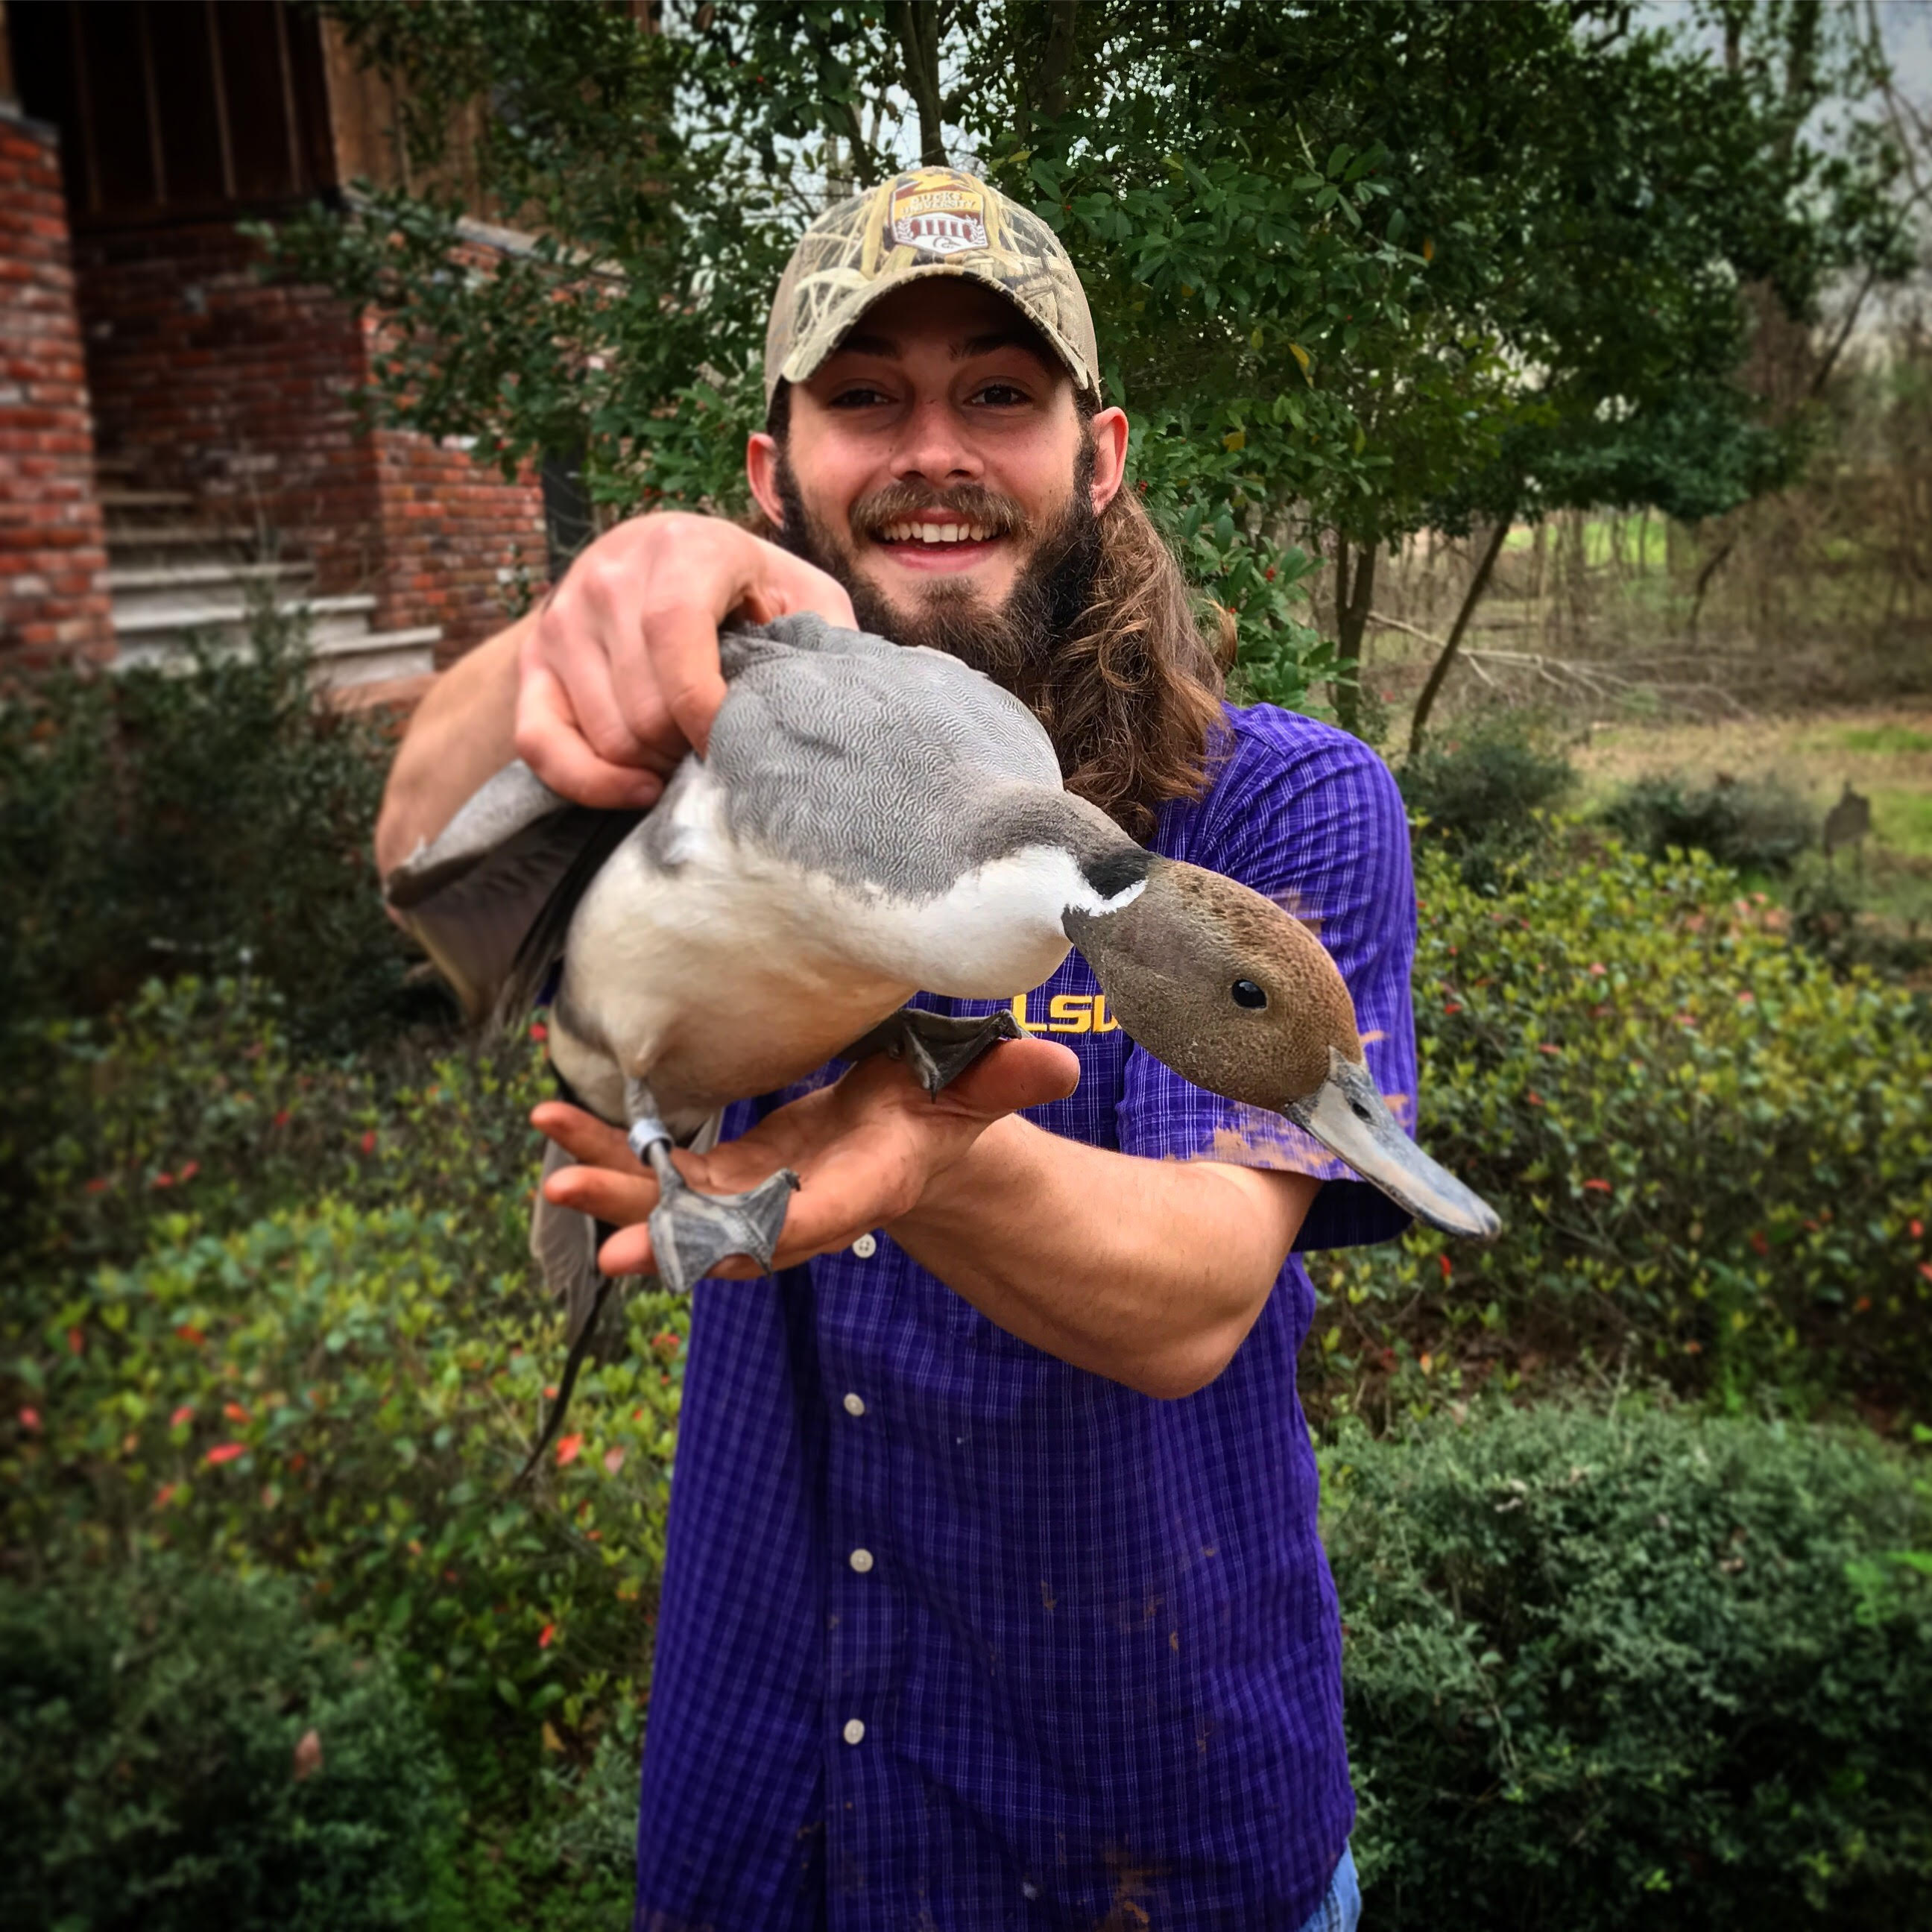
(964, 503)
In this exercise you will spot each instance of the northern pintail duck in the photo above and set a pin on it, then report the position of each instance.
(868, 820)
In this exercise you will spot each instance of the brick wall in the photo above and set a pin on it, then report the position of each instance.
(462, 540)
(206, 379)
(53, 588)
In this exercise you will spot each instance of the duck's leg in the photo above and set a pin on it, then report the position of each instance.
(937, 1047)
(691, 1232)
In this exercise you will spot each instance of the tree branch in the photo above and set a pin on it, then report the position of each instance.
(922, 24)
(1471, 598)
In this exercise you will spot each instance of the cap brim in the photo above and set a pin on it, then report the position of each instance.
(804, 362)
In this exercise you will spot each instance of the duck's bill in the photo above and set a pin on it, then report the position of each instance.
(1348, 1117)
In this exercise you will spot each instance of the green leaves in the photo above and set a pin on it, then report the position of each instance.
(1711, 1156)
(1612, 1663)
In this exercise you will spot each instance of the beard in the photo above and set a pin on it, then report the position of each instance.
(1016, 642)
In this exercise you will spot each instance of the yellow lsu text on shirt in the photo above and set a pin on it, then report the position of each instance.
(1066, 1012)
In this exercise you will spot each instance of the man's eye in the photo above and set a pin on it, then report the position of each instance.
(860, 398)
(1002, 395)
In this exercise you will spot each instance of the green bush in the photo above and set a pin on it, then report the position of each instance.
(1757, 826)
(158, 823)
(1713, 1159)
(1481, 797)
(272, 1312)
(1604, 1672)
(193, 1100)
(346, 1396)
(180, 1750)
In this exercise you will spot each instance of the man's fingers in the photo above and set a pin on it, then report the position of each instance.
(628, 1252)
(763, 602)
(1016, 1074)
(586, 1139)
(681, 655)
(549, 742)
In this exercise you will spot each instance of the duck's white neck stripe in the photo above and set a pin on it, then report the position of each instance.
(1084, 899)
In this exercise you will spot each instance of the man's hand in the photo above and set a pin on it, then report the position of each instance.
(618, 675)
(865, 1149)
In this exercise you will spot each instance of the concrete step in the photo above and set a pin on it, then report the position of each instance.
(376, 657)
(346, 652)
(146, 636)
(171, 538)
(136, 504)
(179, 591)
(174, 576)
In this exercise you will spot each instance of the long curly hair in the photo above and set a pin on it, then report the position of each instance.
(1132, 696)
(1127, 685)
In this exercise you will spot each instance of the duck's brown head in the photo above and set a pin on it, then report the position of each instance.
(1226, 988)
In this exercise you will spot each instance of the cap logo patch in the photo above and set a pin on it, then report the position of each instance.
(941, 221)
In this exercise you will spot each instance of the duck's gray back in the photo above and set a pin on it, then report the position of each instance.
(877, 763)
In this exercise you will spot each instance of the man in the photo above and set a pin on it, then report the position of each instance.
(993, 1594)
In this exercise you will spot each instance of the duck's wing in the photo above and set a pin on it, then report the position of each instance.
(490, 898)
(872, 763)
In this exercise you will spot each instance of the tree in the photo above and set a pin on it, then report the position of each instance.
(1358, 267)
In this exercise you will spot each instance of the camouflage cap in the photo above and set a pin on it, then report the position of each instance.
(930, 221)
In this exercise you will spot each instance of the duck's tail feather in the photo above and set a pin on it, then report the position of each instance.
(596, 835)
(564, 1245)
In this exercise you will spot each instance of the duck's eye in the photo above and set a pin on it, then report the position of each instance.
(1247, 993)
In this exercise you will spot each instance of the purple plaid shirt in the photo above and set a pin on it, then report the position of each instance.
(955, 1636)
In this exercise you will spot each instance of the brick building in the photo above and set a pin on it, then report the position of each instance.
(177, 435)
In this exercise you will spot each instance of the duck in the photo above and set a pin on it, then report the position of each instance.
(868, 820)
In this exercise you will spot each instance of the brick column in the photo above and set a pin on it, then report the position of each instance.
(53, 555)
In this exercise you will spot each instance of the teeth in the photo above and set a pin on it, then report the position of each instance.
(935, 533)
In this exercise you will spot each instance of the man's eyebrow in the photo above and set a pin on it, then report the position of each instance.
(1001, 338)
(867, 345)
(858, 343)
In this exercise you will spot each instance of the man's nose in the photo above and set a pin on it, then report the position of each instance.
(933, 446)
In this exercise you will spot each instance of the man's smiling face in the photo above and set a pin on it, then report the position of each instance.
(936, 458)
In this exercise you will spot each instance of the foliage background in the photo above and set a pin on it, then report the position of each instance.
(1356, 270)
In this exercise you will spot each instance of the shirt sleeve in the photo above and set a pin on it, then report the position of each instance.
(1311, 818)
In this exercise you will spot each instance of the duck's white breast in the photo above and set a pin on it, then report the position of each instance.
(715, 971)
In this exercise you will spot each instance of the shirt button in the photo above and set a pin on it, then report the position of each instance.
(865, 1247)
(861, 1560)
(855, 1405)
(854, 1733)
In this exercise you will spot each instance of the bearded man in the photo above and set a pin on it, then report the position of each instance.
(994, 1594)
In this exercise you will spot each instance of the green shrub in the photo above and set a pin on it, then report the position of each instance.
(340, 1390)
(1713, 1159)
(1482, 796)
(346, 1396)
(157, 824)
(1829, 916)
(1604, 1672)
(192, 1100)
(180, 1750)
(1758, 825)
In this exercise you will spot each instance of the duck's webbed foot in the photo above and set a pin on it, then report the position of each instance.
(937, 1047)
(691, 1232)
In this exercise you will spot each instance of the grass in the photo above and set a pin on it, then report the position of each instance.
(1885, 738)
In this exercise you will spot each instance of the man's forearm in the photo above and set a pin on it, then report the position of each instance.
(462, 732)
(1149, 1272)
